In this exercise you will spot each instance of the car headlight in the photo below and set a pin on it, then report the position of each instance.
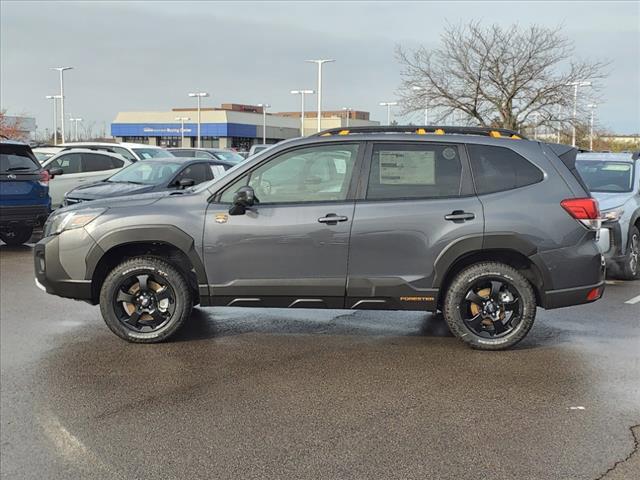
(612, 215)
(60, 222)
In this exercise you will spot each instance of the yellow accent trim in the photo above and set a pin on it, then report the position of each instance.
(326, 134)
(343, 132)
(439, 131)
(494, 134)
(421, 131)
(516, 137)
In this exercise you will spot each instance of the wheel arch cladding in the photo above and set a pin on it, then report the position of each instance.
(166, 241)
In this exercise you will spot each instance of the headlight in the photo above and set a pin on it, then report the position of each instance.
(612, 215)
(69, 220)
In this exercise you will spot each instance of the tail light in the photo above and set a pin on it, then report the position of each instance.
(44, 178)
(585, 210)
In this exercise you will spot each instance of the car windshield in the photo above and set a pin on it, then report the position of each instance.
(42, 156)
(145, 153)
(228, 156)
(606, 176)
(15, 159)
(146, 173)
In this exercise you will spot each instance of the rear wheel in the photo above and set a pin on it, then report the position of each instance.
(630, 268)
(490, 306)
(145, 300)
(16, 236)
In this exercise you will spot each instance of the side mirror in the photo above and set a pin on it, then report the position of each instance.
(186, 182)
(244, 198)
(55, 171)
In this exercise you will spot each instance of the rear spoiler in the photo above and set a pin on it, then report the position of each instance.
(568, 154)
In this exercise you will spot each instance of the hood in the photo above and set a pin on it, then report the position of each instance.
(98, 190)
(607, 201)
(138, 200)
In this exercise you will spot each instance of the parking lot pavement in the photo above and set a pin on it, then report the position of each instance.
(314, 394)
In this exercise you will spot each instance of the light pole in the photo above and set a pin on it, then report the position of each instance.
(575, 85)
(182, 120)
(388, 105)
(347, 111)
(593, 107)
(302, 93)
(199, 95)
(264, 121)
(416, 88)
(320, 62)
(55, 116)
(61, 70)
(75, 120)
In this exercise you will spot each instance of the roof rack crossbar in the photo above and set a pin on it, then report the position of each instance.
(422, 130)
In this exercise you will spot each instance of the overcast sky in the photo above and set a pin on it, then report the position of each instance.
(148, 55)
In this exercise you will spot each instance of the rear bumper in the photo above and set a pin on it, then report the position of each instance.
(28, 215)
(572, 296)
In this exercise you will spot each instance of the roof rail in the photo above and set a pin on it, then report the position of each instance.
(423, 130)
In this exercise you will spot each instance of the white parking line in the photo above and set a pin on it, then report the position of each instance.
(633, 300)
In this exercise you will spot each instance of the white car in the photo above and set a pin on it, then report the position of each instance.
(130, 151)
(80, 166)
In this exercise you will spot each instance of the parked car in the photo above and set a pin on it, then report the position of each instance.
(44, 153)
(480, 224)
(131, 151)
(614, 180)
(80, 166)
(228, 156)
(150, 176)
(24, 192)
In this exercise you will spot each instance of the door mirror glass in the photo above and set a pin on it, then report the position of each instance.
(54, 171)
(186, 182)
(243, 199)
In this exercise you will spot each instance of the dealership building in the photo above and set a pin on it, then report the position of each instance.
(228, 126)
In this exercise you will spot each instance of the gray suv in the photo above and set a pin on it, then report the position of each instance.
(614, 180)
(481, 224)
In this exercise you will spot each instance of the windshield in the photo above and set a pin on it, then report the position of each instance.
(146, 173)
(42, 156)
(228, 156)
(606, 177)
(145, 153)
(16, 159)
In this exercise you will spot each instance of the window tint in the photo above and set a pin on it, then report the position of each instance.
(313, 174)
(183, 153)
(125, 153)
(15, 159)
(203, 154)
(69, 163)
(199, 172)
(496, 169)
(609, 177)
(414, 171)
(95, 162)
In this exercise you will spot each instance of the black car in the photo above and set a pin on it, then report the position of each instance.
(221, 154)
(150, 176)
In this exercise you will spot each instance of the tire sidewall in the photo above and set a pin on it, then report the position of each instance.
(19, 235)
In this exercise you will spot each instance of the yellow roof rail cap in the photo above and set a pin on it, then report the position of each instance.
(495, 134)
(439, 131)
(516, 137)
(343, 132)
(326, 134)
(421, 131)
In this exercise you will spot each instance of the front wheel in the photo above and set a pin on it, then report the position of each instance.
(145, 300)
(490, 306)
(630, 268)
(16, 236)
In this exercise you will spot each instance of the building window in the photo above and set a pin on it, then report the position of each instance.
(241, 143)
(169, 141)
(208, 142)
(136, 139)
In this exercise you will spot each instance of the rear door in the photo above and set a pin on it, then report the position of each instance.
(416, 200)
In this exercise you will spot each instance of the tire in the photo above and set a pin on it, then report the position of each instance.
(17, 236)
(500, 291)
(629, 269)
(145, 300)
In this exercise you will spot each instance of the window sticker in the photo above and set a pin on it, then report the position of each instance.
(407, 168)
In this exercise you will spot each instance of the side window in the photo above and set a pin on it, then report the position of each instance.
(199, 172)
(69, 163)
(184, 153)
(496, 169)
(96, 162)
(217, 170)
(202, 154)
(414, 171)
(125, 153)
(314, 174)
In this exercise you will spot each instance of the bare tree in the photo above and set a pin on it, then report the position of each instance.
(11, 127)
(501, 77)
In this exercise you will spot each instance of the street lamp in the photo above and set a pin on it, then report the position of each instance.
(264, 121)
(347, 111)
(593, 107)
(575, 85)
(388, 105)
(55, 116)
(302, 93)
(75, 120)
(199, 95)
(320, 62)
(417, 88)
(182, 120)
(61, 70)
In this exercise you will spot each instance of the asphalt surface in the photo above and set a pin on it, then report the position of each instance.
(245, 394)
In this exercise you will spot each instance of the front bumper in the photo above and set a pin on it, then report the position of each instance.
(23, 215)
(59, 265)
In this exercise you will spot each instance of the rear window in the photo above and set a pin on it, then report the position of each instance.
(497, 169)
(17, 158)
(607, 177)
(145, 153)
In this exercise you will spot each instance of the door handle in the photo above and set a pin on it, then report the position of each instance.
(332, 219)
(459, 216)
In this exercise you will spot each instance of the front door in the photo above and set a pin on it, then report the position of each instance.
(417, 203)
(290, 249)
